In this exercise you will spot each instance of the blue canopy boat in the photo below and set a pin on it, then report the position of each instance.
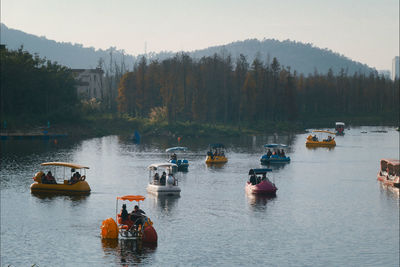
(182, 164)
(276, 156)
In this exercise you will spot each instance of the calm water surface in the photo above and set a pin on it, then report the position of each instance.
(329, 210)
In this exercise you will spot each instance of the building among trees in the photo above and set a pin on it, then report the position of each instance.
(90, 83)
(395, 68)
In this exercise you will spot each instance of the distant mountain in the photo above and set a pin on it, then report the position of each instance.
(71, 55)
(304, 58)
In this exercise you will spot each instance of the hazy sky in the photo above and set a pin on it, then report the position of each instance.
(363, 30)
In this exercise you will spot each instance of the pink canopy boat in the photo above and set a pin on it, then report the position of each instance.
(259, 183)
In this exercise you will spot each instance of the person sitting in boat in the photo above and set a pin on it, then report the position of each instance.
(75, 178)
(314, 138)
(173, 157)
(50, 178)
(258, 179)
(283, 154)
(171, 179)
(269, 153)
(137, 216)
(156, 178)
(124, 213)
(43, 179)
(253, 179)
(163, 178)
(264, 177)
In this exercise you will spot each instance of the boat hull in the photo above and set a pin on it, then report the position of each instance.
(183, 165)
(274, 159)
(263, 188)
(395, 181)
(310, 143)
(81, 187)
(216, 159)
(172, 190)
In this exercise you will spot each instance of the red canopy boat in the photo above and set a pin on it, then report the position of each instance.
(389, 173)
(258, 182)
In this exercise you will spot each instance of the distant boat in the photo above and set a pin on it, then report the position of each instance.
(183, 164)
(260, 185)
(274, 157)
(339, 127)
(389, 173)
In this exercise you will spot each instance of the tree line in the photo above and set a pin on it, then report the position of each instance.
(32, 87)
(218, 89)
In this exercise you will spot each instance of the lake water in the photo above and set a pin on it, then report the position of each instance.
(329, 210)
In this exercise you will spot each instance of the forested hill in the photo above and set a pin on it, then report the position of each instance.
(67, 54)
(304, 58)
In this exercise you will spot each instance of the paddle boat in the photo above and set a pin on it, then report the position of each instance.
(277, 156)
(183, 164)
(162, 180)
(339, 127)
(258, 183)
(135, 225)
(216, 154)
(47, 183)
(314, 141)
(389, 173)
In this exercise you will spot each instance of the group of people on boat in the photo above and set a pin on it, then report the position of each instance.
(254, 179)
(48, 178)
(163, 180)
(279, 153)
(216, 154)
(76, 177)
(136, 217)
(315, 138)
(328, 139)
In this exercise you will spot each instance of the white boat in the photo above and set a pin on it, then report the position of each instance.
(161, 179)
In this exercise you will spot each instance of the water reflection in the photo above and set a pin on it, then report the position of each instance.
(164, 203)
(259, 202)
(215, 166)
(275, 166)
(47, 197)
(128, 251)
(320, 147)
(391, 191)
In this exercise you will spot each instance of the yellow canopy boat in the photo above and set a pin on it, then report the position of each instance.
(216, 154)
(47, 183)
(314, 141)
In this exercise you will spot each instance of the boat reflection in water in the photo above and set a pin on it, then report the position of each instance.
(163, 203)
(129, 251)
(259, 202)
(391, 191)
(46, 197)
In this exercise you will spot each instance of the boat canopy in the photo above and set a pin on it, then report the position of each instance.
(274, 145)
(259, 171)
(177, 148)
(392, 161)
(132, 198)
(217, 145)
(321, 131)
(339, 123)
(165, 165)
(64, 164)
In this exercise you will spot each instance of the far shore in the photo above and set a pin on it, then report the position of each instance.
(119, 125)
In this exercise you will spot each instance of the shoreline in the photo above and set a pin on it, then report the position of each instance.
(112, 125)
